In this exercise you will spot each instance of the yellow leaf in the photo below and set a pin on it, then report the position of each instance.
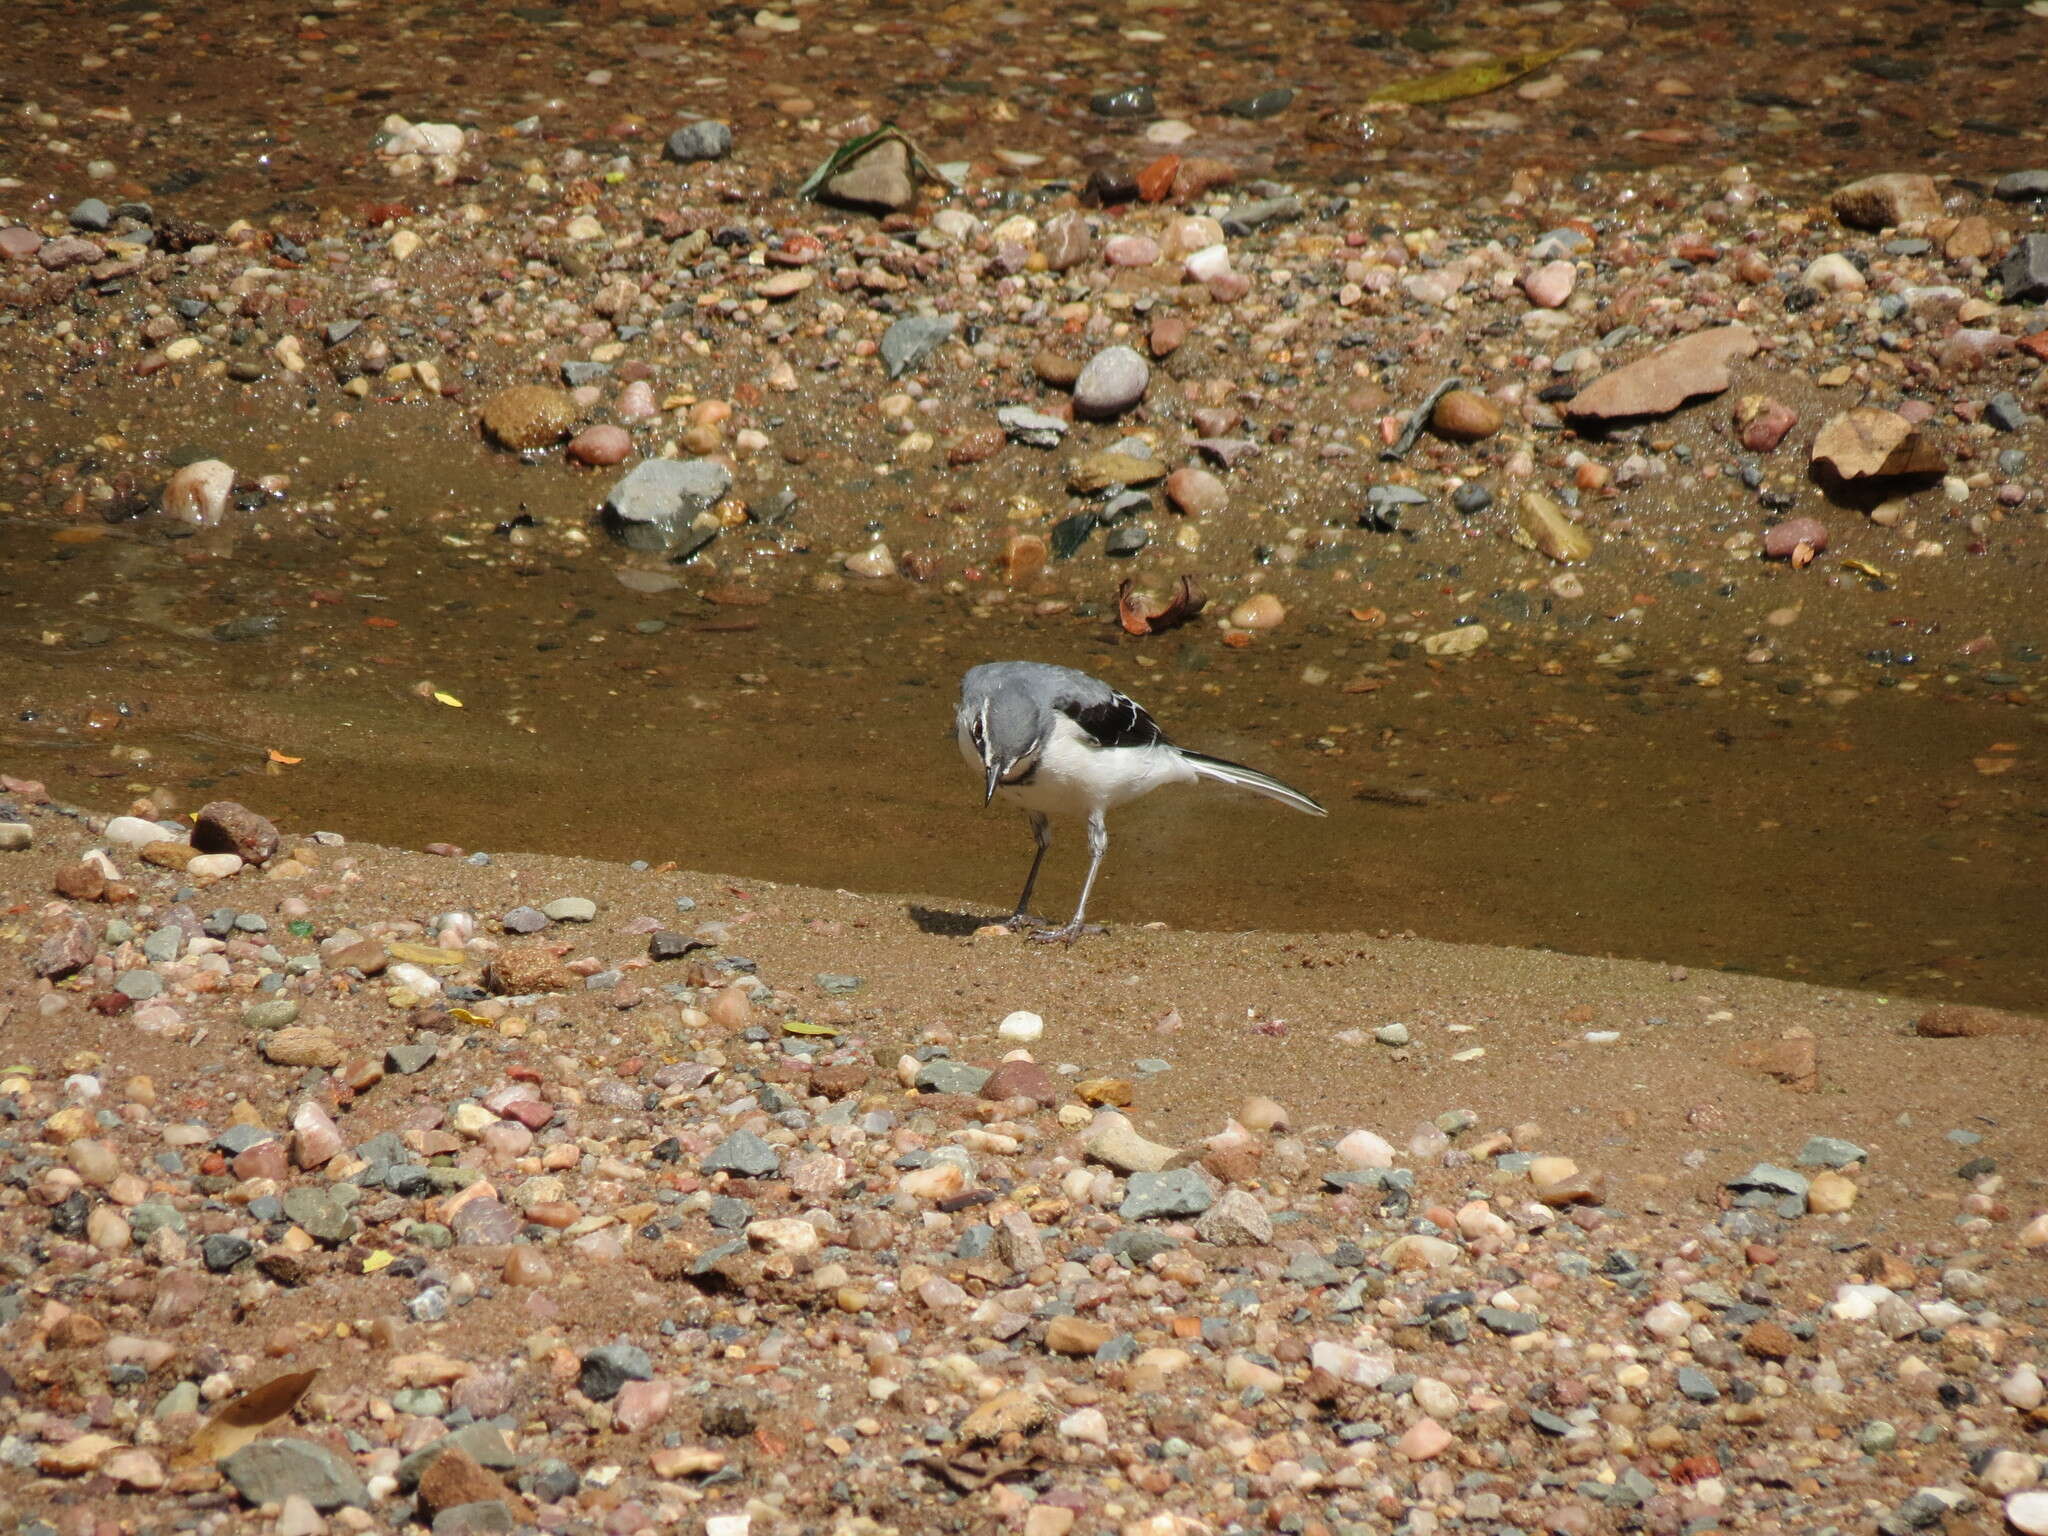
(378, 1260)
(278, 757)
(428, 955)
(447, 698)
(1467, 80)
(464, 1016)
(805, 1027)
(242, 1419)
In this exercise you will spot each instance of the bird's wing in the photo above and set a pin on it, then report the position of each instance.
(1111, 719)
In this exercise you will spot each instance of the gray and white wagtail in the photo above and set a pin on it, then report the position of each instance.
(1056, 742)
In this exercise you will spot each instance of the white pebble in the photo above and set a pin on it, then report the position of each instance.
(1362, 1149)
(2028, 1512)
(1021, 1025)
(214, 866)
(134, 832)
(1667, 1320)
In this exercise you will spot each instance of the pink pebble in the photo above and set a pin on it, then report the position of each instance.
(1130, 251)
(18, 242)
(1918, 412)
(636, 402)
(1782, 539)
(641, 1405)
(507, 1139)
(601, 445)
(1228, 287)
(1551, 284)
(1425, 1439)
(1767, 428)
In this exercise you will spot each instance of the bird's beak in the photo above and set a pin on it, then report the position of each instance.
(995, 777)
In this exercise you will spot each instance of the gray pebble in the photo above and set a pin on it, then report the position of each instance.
(706, 140)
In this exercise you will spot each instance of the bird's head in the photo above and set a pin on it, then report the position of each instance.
(1007, 735)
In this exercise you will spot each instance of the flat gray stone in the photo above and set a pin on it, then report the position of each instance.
(745, 1154)
(140, 985)
(1032, 428)
(271, 1471)
(948, 1076)
(912, 339)
(2022, 187)
(1830, 1152)
(653, 506)
(1769, 1176)
(1163, 1196)
(1697, 1385)
(323, 1215)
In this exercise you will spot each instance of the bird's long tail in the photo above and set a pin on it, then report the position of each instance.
(1224, 771)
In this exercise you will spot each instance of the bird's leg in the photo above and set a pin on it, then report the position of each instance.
(1098, 845)
(1041, 832)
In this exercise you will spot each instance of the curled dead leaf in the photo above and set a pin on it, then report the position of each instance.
(240, 1420)
(1142, 614)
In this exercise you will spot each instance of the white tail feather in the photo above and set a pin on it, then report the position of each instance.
(1226, 772)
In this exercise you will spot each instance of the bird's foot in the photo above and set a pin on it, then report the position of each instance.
(1017, 922)
(1067, 934)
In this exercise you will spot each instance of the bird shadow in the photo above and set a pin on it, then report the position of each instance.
(949, 925)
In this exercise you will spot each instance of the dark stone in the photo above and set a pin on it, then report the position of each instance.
(610, 1367)
(1131, 101)
(2025, 272)
(222, 1251)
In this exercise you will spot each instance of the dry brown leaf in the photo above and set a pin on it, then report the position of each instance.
(1139, 616)
(240, 1420)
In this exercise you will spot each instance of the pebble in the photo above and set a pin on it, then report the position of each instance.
(199, 493)
(1021, 1025)
(1660, 383)
(1195, 492)
(1881, 202)
(1111, 382)
(1550, 285)
(1262, 611)
(702, 140)
(1783, 540)
(909, 341)
(1466, 416)
(655, 506)
(601, 446)
(528, 417)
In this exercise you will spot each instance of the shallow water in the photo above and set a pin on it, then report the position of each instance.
(1615, 811)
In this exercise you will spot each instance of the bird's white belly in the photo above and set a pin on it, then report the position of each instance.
(1075, 777)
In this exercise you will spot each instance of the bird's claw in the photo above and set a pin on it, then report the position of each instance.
(1066, 935)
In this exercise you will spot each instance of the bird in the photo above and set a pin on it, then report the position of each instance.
(1057, 742)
